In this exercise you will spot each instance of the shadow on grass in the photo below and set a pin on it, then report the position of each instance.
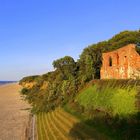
(82, 131)
(104, 128)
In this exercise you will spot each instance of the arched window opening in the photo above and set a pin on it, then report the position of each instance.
(110, 61)
(125, 60)
(117, 59)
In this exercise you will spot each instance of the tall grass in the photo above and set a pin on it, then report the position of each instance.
(119, 100)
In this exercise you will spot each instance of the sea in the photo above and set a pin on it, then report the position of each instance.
(7, 82)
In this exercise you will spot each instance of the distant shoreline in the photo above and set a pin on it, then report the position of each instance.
(7, 82)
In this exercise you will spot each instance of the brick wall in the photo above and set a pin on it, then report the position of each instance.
(123, 63)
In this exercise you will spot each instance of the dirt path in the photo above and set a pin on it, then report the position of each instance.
(13, 116)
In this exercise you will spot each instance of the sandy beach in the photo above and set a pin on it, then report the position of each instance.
(13, 113)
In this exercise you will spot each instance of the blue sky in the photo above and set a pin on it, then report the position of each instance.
(33, 33)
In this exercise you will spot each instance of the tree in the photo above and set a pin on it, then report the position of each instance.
(66, 66)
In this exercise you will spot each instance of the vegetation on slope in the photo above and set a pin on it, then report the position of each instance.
(70, 77)
(112, 100)
(110, 107)
(60, 125)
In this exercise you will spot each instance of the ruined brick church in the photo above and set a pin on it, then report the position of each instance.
(123, 63)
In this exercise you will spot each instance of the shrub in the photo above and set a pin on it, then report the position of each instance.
(24, 91)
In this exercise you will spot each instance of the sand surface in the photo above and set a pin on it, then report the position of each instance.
(13, 116)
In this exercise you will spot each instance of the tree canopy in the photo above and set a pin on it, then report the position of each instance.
(69, 76)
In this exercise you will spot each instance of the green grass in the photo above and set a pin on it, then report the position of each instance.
(109, 108)
(60, 125)
(113, 100)
(101, 132)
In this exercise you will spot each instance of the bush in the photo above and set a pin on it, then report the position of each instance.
(24, 91)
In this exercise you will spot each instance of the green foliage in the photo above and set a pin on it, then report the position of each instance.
(91, 58)
(28, 79)
(115, 127)
(105, 102)
(110, 107)
(69, 76)
(61, 86)
(24, 91)
(112, 100)
(123, 102)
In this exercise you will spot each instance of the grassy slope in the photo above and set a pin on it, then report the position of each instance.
(108, 99)
(113, 100)
(60, 125)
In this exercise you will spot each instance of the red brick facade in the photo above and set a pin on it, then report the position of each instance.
(123, 63)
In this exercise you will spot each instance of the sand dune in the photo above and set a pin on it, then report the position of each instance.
(13, 116)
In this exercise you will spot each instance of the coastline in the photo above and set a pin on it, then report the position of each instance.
(8, 82)
(14, 116)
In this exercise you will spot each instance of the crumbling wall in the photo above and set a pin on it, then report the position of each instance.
(123, 63)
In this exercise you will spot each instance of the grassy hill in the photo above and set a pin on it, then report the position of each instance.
(60, 125)
(111, 107)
